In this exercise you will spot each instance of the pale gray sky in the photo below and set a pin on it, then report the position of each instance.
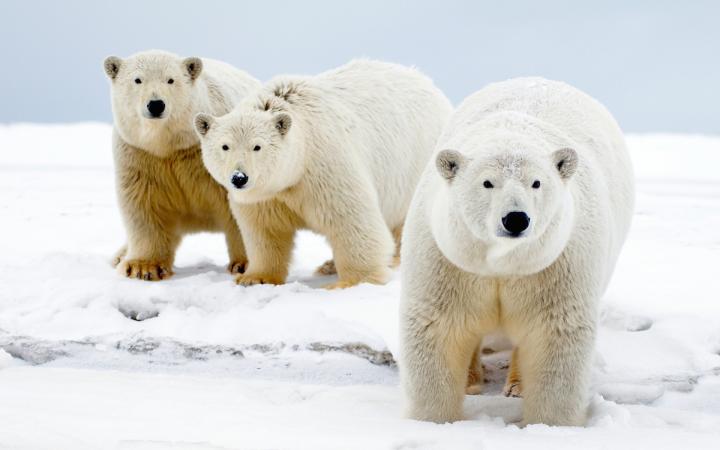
(655, 64)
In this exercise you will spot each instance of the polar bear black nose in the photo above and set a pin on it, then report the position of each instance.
(156, 107)
(516, 222)
(239, 179)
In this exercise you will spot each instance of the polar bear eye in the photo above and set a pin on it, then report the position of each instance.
(225, 147)
(536, 184)
(488, 184)
(256, 148)
(171, 81)
(138, 81)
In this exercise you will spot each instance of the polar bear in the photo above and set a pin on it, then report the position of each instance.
(339, 153)
(516, 226)
(163, 188)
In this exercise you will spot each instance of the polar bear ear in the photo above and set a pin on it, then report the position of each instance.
(112, 66)
(448, 163)
(193, 66)
(203, 123)
(283, 121)
(566, 161)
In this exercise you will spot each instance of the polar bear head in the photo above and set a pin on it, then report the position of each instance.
(155, 96)
(251, 151)
(513, 207)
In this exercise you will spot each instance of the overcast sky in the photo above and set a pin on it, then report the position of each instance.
(654, 64)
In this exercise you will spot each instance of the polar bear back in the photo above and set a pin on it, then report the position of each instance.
(385, 116)
(226, 85)
(564, 111)
(400, 114)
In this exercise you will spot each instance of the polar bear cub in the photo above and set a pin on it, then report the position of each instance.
(516, 225)
(164, 191)
(339, 153)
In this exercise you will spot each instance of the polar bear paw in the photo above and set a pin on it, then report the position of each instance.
(353, 279)
(119, 256)
(145, 270)
(237, 267)
(474, 381)
(253, 279)
(327, 268)
(340, 284)
(512, 389)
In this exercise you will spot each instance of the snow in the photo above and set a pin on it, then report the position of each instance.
(90, 360)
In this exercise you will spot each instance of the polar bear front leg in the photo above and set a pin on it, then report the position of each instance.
(268, 232)
(554, 360)
(150, 250)
(476, 373)
(513, 386)
(362, 246)
(150, 222)
(436, 355)
(397, 236)
(236, 248)
(328, 267)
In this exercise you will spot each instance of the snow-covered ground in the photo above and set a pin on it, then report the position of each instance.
(90, 360)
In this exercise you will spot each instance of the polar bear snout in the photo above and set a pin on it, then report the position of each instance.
(515, 223)
(239, 179)
(155, 109)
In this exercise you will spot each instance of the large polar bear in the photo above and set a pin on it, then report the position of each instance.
(163, 188)
(516, 225)
(339, 153)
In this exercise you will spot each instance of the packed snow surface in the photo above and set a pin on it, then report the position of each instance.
(91, 360)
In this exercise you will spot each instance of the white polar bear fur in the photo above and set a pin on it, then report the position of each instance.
(341, 155)
(163, 188)
(462, 278)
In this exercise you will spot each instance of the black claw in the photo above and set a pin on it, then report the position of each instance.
(148, 276)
